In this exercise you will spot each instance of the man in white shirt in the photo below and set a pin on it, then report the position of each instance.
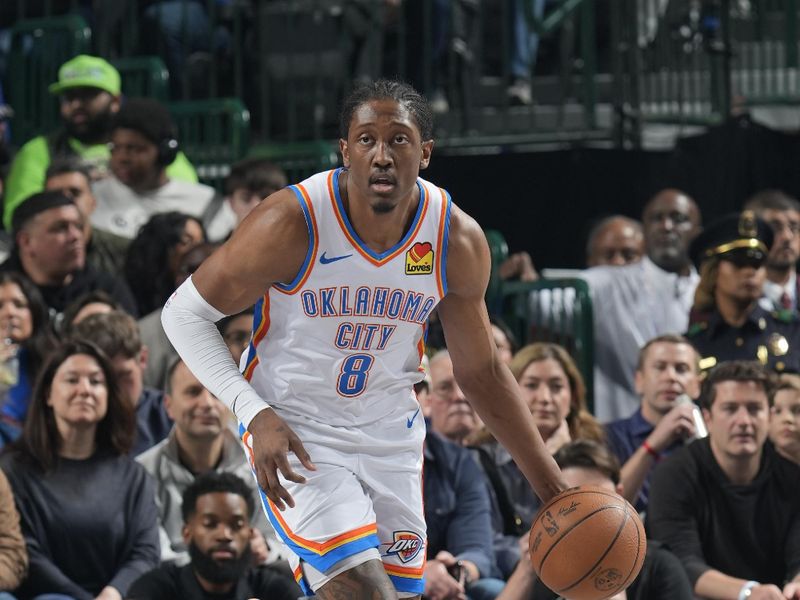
(782, 212)
(143, 142)
(635, 303)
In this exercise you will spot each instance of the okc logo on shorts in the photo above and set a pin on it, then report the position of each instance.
(406, 545)
(419, 260)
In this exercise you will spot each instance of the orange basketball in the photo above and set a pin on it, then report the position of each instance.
(587, 543)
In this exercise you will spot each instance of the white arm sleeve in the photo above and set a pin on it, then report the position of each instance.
(188, 321)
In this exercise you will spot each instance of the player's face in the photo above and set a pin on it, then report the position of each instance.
(785, 250)
(738, 420)
(545, 389)
(78, 393)
(451, 414)
(196, 412)
(384, 153)
(668, 370)
(784, 424)
(218, 537)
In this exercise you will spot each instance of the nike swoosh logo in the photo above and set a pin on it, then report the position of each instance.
(410, 422)
(326, 261)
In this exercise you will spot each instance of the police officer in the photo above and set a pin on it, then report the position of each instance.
(727, 322)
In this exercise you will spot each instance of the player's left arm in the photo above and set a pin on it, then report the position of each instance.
(486, 381)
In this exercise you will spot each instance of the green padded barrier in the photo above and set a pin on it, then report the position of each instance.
(143, 76)
(38, 48)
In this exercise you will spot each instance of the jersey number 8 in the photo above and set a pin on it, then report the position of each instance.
(354, 374)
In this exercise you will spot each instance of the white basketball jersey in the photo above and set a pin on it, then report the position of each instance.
(342, 343)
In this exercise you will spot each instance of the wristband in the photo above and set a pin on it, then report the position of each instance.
(747, 589)
(650, 450)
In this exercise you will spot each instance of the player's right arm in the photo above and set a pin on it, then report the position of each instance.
(268, 247)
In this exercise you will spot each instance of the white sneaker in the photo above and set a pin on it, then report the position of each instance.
(519, 93)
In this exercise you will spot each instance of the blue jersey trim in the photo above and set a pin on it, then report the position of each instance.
(352, 232)
(445, 243)
(311, 242)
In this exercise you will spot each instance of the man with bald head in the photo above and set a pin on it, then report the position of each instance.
(637, 302)
(615, 241)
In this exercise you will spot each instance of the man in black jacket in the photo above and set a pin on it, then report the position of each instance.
(728, 505)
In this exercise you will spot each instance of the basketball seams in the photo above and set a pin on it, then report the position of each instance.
(633, 570)
(602, 556)
(573, 526)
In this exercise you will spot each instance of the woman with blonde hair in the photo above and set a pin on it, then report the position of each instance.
(553, 389)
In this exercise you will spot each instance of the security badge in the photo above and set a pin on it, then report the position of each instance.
(747, 224)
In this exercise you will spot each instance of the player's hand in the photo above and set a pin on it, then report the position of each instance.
(258, 547)
(273, 439)
(677, 424)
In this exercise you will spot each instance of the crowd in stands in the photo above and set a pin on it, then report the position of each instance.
(123, 477)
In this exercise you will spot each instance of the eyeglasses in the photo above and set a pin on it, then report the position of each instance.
(745, 257)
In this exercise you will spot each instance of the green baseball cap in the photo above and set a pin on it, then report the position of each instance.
(87, 71)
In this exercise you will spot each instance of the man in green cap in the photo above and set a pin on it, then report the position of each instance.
(89, 93)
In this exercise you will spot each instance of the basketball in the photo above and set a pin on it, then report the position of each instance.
(587, 543)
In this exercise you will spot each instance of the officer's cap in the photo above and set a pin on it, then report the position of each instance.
(734, 235)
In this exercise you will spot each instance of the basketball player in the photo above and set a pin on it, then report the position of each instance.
(345, 268)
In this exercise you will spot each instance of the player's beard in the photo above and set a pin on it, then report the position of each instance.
(95, 130)
(217, 571)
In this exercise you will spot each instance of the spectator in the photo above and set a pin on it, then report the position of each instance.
(104, 251)
(216, 510)
(727, 505)
(13, 554)
(727, 322)
(524, 48)
(89, 94)
(117, 335)
(460, 558)
(667, 369)
(615, 241)
(162, 354)
(151, 264)
(782, 213)
(554, 390)
(784, 422)
(143, 142)
(86, 509)
(199, 442)
(92, 303)
(249, 182)
(503, 338)
(451, 416)
(641, 301)
(662, 577)
(237, 330)
(50, 250)
(28, 337)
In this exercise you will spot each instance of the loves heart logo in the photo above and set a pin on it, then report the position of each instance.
(419, 251)
(419, 259)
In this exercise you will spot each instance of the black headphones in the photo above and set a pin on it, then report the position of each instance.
(168, 149)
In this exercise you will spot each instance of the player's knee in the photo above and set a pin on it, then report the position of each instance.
(367, 580)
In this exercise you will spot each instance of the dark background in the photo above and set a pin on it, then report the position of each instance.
(545, 202)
